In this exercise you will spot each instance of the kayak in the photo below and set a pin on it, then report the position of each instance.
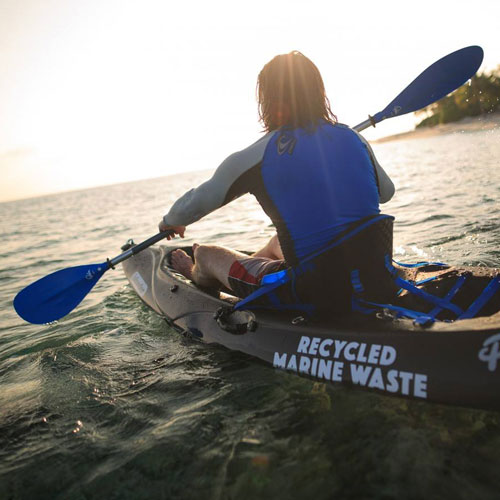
(442, 361)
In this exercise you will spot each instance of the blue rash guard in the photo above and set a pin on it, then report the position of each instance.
(317, 184)
(312, 185)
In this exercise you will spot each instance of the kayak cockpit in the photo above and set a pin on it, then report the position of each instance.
(461, 293)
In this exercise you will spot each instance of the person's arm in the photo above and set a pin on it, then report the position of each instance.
(207, 197)
(386, 187)
(213, 194)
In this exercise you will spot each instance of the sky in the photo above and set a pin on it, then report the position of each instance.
(99, 92)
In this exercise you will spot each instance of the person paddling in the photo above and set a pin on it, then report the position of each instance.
(317, 180)
(355, 264)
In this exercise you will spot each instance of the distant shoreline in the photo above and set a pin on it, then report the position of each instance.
(469, 124)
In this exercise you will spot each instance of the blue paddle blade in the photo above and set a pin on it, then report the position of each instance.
(437, 81)
(57, 294)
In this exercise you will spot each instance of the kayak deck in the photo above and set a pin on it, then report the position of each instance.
(445, 362)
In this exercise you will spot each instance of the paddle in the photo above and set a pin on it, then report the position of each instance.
(57, 294)
(52, 297)
(437, 81)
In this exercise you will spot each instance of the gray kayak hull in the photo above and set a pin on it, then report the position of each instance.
(454, 363)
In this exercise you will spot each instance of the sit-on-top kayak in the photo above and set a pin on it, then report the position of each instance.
(441, 361)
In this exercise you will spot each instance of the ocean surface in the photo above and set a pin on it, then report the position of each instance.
(111, 403)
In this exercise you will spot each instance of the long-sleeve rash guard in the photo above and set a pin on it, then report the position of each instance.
(311, 184)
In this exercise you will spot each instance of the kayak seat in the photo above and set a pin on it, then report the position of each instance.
(356, 272)
(321, 283)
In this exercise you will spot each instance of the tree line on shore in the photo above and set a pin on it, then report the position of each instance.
(479, 96)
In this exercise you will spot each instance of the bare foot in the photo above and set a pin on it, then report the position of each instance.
(182, 263)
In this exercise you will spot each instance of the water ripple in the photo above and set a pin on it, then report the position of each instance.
(110, 402)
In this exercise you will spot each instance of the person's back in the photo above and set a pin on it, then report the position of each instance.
(316, 183)
(316, 179)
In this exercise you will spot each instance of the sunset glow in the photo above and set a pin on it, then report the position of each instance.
(108, 91)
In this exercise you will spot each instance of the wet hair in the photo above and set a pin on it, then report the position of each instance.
(290, 85)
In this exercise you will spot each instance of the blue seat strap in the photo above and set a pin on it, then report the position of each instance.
(420, 264)
(490, 290)
(421, 282)
(449, 296)
(360, 306)
(426, 280)
(356, 282)
(437, 301)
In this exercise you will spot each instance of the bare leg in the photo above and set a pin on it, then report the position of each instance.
(272, 250)
(212, 264)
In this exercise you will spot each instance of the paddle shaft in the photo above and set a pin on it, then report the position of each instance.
(367, 123)
(139, 248)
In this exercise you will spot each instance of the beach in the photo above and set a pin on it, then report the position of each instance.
(469, 124)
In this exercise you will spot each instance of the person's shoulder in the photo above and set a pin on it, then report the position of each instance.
(336, 128)
(340, 126)
(255, 149)
(340, 131)
(260, 143)
(249, 156)
(360, 137)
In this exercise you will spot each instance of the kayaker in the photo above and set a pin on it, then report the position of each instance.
(312, 176)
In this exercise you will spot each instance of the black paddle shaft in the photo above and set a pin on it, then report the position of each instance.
(140, 247)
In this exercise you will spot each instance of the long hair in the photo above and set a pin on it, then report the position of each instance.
(290, 92)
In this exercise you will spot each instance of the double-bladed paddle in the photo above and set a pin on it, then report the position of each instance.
(52, 297)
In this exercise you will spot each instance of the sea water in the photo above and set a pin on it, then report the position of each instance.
(111, 403)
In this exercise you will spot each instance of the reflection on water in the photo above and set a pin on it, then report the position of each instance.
(110, 403)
